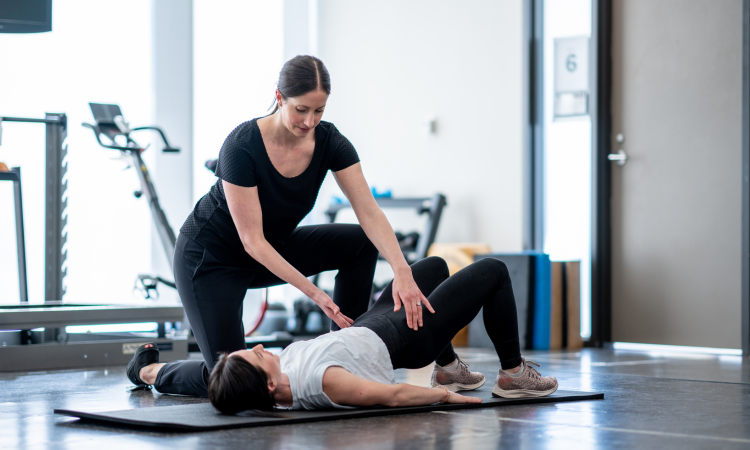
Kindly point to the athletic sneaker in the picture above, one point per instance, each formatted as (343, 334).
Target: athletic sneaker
(461, 379)
(528, 384)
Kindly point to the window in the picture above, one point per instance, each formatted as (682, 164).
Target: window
(97, 52)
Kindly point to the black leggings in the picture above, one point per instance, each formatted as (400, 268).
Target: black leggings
(456, 300)
(212, 293)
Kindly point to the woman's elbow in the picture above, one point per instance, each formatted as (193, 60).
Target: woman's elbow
(252, 247)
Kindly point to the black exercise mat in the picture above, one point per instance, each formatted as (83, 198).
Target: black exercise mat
(203, 416)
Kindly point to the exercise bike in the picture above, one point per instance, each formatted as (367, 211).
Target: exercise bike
(111, 124)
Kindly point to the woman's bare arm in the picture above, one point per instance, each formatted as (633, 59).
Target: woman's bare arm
(347, 389)
(244, 205)
(352, 182)
(378, 229)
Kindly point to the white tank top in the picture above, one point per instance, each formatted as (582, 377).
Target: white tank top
(357, 349)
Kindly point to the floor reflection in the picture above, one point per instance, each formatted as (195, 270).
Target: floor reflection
(650, 401)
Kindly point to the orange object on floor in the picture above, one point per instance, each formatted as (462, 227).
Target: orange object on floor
(458, 256)
(3, 167)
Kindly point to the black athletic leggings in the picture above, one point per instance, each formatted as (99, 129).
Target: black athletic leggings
(456, 300)
(212, 293)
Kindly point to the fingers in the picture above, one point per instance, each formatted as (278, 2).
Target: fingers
(458, 398)
(397, 301)
(409, 309)
(334, 313)
(426, 303)
(341, 322)
(412, 314)
(350, 321)
(419, 315)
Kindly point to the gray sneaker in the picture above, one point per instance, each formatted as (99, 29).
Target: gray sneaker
(530, 384)
(462, 379)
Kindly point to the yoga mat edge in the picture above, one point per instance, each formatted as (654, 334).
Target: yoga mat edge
(318, 416)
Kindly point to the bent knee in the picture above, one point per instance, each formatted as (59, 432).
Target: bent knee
(495, 265)
(436, 264)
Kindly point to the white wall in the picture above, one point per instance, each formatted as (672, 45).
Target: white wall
(394, 63)
(237, 55)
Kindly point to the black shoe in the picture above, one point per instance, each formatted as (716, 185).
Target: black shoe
(143, 357)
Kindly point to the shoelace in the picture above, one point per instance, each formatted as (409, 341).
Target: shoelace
(462, 363)
(532, 371)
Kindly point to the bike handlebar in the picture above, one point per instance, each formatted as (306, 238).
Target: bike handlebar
(168, 148)
(97, 132)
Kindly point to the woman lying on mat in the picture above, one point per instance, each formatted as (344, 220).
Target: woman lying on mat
(354, 367)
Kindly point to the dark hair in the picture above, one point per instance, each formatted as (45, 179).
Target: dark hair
(300, 75)
(235, 385)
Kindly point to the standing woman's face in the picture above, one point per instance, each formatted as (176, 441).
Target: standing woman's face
(303, 113)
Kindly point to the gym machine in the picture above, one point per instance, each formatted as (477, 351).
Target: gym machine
(414, 245)
(33, 336)
(110, 124)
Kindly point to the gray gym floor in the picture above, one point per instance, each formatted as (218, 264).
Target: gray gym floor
(651, 401)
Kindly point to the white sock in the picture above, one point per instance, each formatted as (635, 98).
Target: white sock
(452, 367)
(518, 374)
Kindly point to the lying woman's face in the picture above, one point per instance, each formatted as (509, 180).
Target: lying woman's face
(261, 359)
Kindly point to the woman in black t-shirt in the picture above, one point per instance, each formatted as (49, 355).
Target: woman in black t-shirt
(243, 235)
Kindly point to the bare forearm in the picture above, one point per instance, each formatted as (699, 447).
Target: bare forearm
(266, 255)
(410, 395)
(345, 388)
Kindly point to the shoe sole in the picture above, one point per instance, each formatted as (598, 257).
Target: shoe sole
(521, 393)
(455, 387)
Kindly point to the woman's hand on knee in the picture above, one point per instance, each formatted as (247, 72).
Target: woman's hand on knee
(406, 291)
(332, 310)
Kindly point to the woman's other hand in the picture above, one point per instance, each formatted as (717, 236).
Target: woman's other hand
(332, 310)
(406, 291)
(458, 398)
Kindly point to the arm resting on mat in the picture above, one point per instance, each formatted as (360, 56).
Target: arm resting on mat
(345, 388)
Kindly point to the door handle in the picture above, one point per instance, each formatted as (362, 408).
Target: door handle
(620, 157)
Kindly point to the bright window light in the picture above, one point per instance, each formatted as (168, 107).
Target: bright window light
(108, 230)
(567, 159)
(114, 328)
(653, 348)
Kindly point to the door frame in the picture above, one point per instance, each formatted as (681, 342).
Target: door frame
(533, 192)
(601, 227)
(746, 178)
(600, 110)
(601, 173)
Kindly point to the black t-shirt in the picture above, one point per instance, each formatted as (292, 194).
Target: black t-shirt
(284, 202)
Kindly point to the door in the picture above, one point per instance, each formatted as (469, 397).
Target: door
(676, 203)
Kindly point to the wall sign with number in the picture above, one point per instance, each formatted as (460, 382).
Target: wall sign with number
(571, 76)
